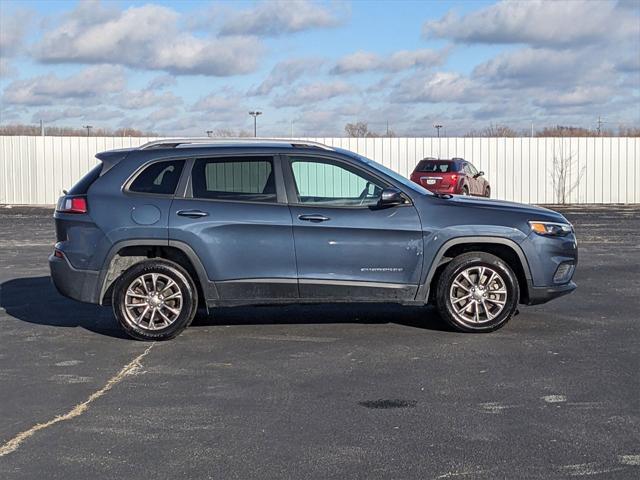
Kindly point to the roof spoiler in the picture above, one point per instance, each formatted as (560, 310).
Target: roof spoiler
(111, 158)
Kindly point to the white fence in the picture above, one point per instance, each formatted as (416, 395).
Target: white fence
(34, 170)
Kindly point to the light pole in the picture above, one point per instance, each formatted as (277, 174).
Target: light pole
(600, 122)
(255, 114)
(209, 133)
(88, 127)
(438, 127)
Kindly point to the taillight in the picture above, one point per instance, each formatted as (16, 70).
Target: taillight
(454, 178)
(72, 205)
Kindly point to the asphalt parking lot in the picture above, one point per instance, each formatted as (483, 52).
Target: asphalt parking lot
(324, 391)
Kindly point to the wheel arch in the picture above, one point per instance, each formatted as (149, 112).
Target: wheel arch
(504, 248)
(127, 253)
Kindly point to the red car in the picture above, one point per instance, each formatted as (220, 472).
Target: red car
(455, 177)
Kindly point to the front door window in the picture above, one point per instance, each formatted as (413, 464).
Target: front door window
(326, 183)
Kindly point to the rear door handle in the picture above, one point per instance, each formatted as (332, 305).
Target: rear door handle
(192, 213)
(315, 218)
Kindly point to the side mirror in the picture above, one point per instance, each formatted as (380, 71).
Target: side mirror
(480, 174)
(390, 197)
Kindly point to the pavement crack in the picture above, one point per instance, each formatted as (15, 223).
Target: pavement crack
(131, 368)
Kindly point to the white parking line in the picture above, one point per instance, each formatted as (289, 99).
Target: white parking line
(130, 368)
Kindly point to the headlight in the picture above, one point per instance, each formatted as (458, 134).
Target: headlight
(551, 229)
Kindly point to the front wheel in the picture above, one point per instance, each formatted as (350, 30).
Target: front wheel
(477, 292)
(487, 192)
(155, 300)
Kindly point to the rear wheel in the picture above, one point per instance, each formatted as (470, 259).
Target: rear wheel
(465, 190)
(155, 300)
(477, 292)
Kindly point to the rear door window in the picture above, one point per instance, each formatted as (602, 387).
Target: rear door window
(249, 179)
(160, 178)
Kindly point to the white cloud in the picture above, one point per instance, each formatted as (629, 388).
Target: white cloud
(630, 63)
(6, 69)
(160, 82)
(224, 105)
(12, 32)
(311, 93)
(51, 116)
(161, 114)
(437, 88)
(139, 99)
(535, 67)
(362, 61)
(357, 62)
(526, 63)
(44, 90)
(278, 17)
(145, 37)
(216, 102)
(576, 97)
(55, 115)
(538, 23)
(569, 57)
(285, 73)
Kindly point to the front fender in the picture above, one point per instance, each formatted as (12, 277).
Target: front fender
(438, 243)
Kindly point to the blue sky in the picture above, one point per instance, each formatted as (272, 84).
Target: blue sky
(312, 66)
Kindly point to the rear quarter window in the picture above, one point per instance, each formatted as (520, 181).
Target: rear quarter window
(160, 178)
(82, 187)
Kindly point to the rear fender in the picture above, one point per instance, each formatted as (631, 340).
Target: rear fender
(112, 267)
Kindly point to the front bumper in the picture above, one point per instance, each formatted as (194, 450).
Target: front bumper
(73, 283)
(538, 295)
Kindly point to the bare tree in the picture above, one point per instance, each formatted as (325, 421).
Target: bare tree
(357, 130)
(32, 130)
(628, 131)
(568, 131)
(229, 132)
(132, 132)
(563, 184)
(494, 131)
(361, 130)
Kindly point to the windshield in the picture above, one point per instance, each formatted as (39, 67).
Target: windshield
(390, 173)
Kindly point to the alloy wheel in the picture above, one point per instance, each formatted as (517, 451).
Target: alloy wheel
(153, 301)
(478, 295)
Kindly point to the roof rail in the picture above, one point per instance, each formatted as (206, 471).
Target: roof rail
(179, 142)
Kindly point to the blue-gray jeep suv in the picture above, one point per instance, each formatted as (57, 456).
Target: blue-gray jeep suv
(160, 230)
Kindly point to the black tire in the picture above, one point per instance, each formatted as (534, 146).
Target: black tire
(465, 191)
(184, 283)
(487, 192)
(476, 260)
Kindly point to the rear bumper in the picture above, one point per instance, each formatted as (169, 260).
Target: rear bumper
(453, 190)
(77, 284)
(538, 295)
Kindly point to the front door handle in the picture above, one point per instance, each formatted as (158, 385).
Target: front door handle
(192, 213)
(315, 218)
